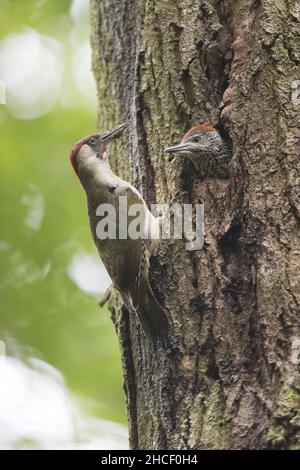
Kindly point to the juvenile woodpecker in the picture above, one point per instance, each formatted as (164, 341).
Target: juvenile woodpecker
(207, 149)
(126, 259)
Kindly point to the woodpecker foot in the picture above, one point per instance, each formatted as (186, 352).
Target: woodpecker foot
(178, 195)
(105, 298)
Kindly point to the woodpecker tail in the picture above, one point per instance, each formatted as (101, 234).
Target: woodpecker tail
(152, 316)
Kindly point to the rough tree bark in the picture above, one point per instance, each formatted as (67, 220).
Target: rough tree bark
(230, 378)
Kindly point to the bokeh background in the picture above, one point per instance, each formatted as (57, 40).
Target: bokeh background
(50, 276)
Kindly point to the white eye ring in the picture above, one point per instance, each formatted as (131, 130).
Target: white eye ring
(92, 141)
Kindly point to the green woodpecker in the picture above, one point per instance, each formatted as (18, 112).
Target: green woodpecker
(207, 149)
(126, 259)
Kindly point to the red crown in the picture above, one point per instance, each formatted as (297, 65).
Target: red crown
(73, 154)
(199, 127)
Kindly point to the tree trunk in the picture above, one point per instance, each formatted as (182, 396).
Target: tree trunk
(230, 378)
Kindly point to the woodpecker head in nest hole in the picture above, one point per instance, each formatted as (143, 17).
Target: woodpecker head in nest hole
(206, 148)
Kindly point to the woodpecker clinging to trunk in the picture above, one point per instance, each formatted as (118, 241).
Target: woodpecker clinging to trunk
(125, 259)
(207, 149)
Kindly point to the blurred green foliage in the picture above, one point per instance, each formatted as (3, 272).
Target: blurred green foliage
(40, 306)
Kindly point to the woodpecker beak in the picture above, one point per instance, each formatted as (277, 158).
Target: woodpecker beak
(181, 148)
(107, 137)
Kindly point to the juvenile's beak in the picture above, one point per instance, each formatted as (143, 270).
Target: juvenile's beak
(107, 137)
(179, 148)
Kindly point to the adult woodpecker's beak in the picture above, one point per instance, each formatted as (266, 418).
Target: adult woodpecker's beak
(181, 148)
(107, 137)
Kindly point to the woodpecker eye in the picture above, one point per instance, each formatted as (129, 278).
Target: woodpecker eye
(196, 139)
(92, 141)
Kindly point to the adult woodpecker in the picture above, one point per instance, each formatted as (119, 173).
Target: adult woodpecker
(126, 259)
(207, 149)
